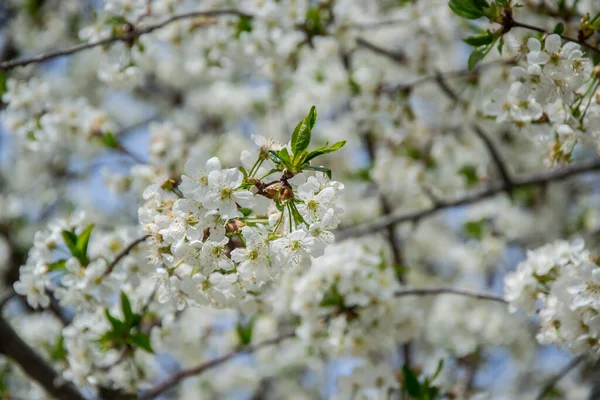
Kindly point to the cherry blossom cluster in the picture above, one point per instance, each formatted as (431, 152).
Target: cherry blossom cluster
(560, 282)
(43, 124)
(222, 234)
(557, 87)
(347, 301)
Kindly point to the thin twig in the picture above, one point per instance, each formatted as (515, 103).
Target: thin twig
(126, 37)
(391, 89)
(583, 43)
(124, 253)
(540, 178)
(397, 56)
(458, 292)
(559, 375)
(186, 373)
(483, 136)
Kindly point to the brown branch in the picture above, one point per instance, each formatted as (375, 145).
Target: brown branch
(397, 56)
(483, 136)
(391, 89)
(512, 23)
(458, 292)
(36, 367)
(547, 388)
(540, 178)
(186, 373)
(126, 37)
(124, 253)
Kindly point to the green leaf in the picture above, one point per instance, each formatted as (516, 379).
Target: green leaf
(274, 157)
(127, 312)
(245, 211)
(479, 54)
(332, 298)
(71, 241)
(320, 169)
(479, 40)
(110, 141)
(439, 368)
(244, 25)
(411, 383)
(501, 44)
(285, 155)
(559, 28)
(58, 352)
(116, 324)
(301, 135)
(57, 265)
(244, 333)
(475, 229)
(141, 340)
(3, 86)
(469, 9)
(324, 150)
(400, 270)
(470, 173)
(83, 240)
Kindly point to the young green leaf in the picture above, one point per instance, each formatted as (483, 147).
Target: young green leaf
(479, 54)
(83, 241)
(301, 136)
(244, 332)
(411, 383)
(141, 340)
(274, 157)
(110, 141)
(57, 265)
(323, 150)
(469, 9)
(71, 241)
(116, 324)
(480, 40)
(439, 368)
(559, 28)
(127, 312)
(284, 155)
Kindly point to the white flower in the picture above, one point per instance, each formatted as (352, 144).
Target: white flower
(34, 287)
(224, 194)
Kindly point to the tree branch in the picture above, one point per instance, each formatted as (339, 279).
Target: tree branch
(37, 368)
(458, 292)
(126, 37)
(494, 189)
(124, 253)
(397, 56)
(186, 373)
(391, 89)
(559, 375)
(483, 136)
(512, 23)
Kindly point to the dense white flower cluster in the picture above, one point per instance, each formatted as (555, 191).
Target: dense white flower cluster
(348, 301)
(44, 124)
(560, 281)
(224, 233)
(556, 86)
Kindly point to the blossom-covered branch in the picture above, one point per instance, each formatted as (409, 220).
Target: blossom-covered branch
(458, 292)
(494, 189)
(559, 375)
(133, 33)
(187, 373)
